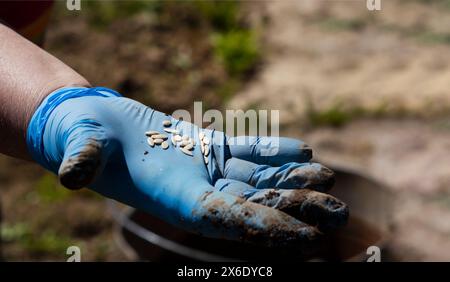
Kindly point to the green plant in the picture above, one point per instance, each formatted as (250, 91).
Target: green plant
(433, 37)
(238, 50)
(103, 13)
(13, 232)
(443, 3)
(49, 190)
(234, 44)
(339, 114)
(222, 15)
(334, 116)
(45, 242)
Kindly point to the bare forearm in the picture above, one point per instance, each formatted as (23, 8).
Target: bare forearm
(27, 75)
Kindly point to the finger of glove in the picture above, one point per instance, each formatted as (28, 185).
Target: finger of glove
(288, 176)
(314, 208)
(223, 215)
(273, 151)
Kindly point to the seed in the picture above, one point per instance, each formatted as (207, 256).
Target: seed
(187, 152)
(206, 159)
(192, 141)
(167, 123)
(202, 147)
(151, 132)
(150, 142)
(201, 135)
(189, 146)
(165, 145)
(158, 141)
(177, 138)
(184, 143)
(174, 142)
(205, 140)
(171, 130)
(160, 136)
(206, 153)
(185, 138)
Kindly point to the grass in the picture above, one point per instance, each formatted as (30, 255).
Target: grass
(442, 124)
(432, 37)
(238, 51)
(443, 3)
(13, 232)
(102, 13)
(234, 43)
(420, 34)
(334, 116)
(46, 242)
(222, 15)
(338, 114)
(441, 198)
(49, 190)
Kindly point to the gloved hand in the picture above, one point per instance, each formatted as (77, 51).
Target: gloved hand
(94, 137)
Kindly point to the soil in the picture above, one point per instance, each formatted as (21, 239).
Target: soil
(322, 55)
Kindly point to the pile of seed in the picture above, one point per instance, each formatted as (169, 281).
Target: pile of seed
(157, 138)
(185, 143)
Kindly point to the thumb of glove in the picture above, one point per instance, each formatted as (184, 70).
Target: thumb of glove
(67, 141)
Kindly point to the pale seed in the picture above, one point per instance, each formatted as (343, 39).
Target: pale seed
(185, 138)
(171, 130)
(201, 135)
(158, 141)
(150, 142)
(192, 141)
(205, 140)
(202, 147)
(164, 145)
(167, 123)
(206, 150)
(184, 143)
(206, 159)
(160, 136)
(177, 138)
(187, 152)
(151, 132)
(174, 142)
(189, 146)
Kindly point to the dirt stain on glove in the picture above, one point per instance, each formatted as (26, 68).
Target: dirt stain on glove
(258, 224)
(315, 208)
(77, 172)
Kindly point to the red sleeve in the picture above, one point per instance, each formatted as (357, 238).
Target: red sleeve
(27, 17)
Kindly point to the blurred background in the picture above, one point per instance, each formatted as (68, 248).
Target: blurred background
(368, 90)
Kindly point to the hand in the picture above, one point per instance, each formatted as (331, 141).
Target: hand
(93, 137)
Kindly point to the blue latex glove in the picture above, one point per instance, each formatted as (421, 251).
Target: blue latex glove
(94, 137)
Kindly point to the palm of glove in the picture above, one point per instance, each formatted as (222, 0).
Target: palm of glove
(236, 194)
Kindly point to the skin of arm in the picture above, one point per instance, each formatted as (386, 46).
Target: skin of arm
(27, 75)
